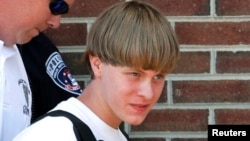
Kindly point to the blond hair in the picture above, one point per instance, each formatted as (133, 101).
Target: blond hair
(133, 34)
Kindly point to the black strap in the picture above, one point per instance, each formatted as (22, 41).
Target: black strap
(82, 131)
(124, 132)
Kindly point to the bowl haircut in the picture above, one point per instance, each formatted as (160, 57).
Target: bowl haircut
(133, 34)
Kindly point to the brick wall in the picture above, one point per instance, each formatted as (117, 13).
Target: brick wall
(210, 84)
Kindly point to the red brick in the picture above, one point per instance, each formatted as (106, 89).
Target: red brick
(174, 120)
(193, 62)
(163, 98)
(233, 62)
(213, 33)
(89, 8)
(232, 116)
(211, 91)
(68, 34)
(232, 7)
(182, 7)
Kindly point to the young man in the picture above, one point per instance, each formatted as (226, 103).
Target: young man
(130, 50)
(21, 20)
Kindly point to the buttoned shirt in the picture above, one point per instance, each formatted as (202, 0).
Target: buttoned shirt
(15, 94)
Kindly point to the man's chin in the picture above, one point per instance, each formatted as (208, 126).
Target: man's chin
(27, 39)
(136, 121)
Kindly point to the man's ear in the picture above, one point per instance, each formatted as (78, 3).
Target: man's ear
(95, 63)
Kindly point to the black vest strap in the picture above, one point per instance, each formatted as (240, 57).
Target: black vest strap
(82, 131)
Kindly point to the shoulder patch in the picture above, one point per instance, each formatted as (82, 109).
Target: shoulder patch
(60, 74)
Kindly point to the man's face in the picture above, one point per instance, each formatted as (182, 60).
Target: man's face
(130, 93)
(32, 17)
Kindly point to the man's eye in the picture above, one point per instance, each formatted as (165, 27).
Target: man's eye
(134, 74)
(158, 77)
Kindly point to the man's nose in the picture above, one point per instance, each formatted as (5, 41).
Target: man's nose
(146, 89)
